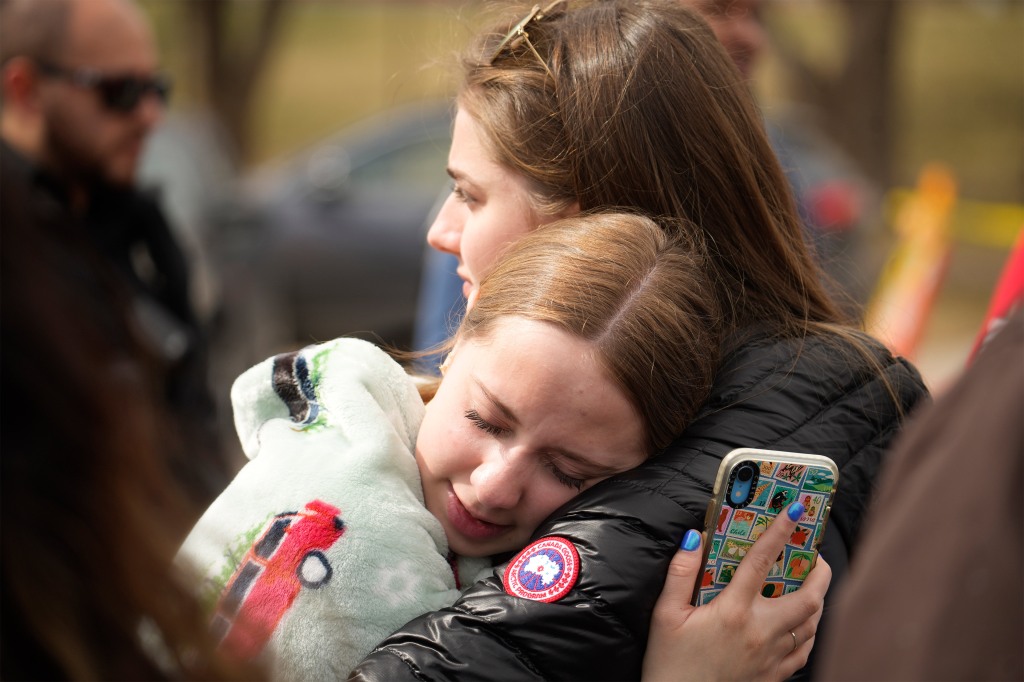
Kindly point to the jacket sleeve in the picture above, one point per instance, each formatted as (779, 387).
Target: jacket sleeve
(627, 528)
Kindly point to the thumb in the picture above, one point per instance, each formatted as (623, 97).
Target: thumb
(682, 575)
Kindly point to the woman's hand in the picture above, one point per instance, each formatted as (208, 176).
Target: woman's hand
(740, 635)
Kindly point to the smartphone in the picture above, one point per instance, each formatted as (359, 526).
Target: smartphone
(753, 487)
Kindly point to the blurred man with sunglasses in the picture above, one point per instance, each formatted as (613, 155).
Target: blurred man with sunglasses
(81, 92)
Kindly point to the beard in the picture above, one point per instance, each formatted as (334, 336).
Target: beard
(74, 157)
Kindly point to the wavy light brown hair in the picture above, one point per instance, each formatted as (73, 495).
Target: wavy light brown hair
(637, 291)
(636, 105)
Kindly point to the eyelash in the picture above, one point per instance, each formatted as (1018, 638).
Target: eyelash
(562, 477)
(460, 195)
(483, 425)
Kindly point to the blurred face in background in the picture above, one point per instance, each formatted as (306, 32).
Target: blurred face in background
(737, 25)
(84, 138)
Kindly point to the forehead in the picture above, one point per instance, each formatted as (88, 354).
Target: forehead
(471, 160)
(556, 385)
(109, 35)
(469, 153)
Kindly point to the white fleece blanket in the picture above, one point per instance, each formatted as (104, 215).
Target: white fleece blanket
(321, 546)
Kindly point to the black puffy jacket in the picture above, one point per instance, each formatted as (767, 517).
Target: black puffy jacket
(777, 394)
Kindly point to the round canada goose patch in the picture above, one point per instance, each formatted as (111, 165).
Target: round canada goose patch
(545, 571)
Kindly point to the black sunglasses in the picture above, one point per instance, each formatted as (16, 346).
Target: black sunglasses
(118, 93)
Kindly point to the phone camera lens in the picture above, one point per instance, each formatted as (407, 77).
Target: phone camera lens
(742, 484)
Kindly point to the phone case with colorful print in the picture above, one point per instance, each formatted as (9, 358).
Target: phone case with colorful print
(752, 488)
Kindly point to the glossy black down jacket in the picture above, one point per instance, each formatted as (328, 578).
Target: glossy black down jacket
(775, 394)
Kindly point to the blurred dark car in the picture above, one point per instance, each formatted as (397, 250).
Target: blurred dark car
(330, 241)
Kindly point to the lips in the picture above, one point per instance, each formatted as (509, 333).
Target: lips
(467, 284)
(467, 525)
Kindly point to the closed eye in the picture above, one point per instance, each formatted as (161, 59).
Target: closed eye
(564, 478)
(483, 424)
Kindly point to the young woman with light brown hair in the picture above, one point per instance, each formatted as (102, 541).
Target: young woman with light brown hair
(546, 391)
(633, 104)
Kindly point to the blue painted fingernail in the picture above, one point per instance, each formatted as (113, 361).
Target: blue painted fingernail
(691, 540)
(795, 511)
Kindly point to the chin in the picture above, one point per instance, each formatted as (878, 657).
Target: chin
(474, 554)
(118, 180)
(122, 171)
(484, 550)
(121, 179)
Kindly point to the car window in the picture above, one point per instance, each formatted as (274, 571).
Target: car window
(417, 166)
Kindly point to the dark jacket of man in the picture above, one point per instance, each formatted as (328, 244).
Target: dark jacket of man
(122, 243)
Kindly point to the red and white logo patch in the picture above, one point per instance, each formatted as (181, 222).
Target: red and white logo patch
(544, 571)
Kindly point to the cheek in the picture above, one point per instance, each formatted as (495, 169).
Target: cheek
(547, 497)
(480, 241)
(93, 139)
(67, 122)
(443, 447)
(428, 450)
(489, 235)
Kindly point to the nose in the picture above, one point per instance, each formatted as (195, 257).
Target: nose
(500, 480)
(445, 234)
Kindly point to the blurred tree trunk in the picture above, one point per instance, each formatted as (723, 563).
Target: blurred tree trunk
(856, 104)
(233, 55)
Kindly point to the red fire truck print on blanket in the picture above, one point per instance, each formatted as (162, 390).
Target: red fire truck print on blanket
(544, 571)
(288, 556)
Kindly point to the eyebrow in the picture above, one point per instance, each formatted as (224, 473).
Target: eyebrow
(502, 407)
(461, 176)
(456, 174)
(593, 469)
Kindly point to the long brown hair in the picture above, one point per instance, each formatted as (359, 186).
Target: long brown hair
(637, 291)
(636, 105)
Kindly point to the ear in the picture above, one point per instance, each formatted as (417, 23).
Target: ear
(446, 363)
(20, 82)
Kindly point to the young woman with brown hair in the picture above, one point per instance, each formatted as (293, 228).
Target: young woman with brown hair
(634, 104)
